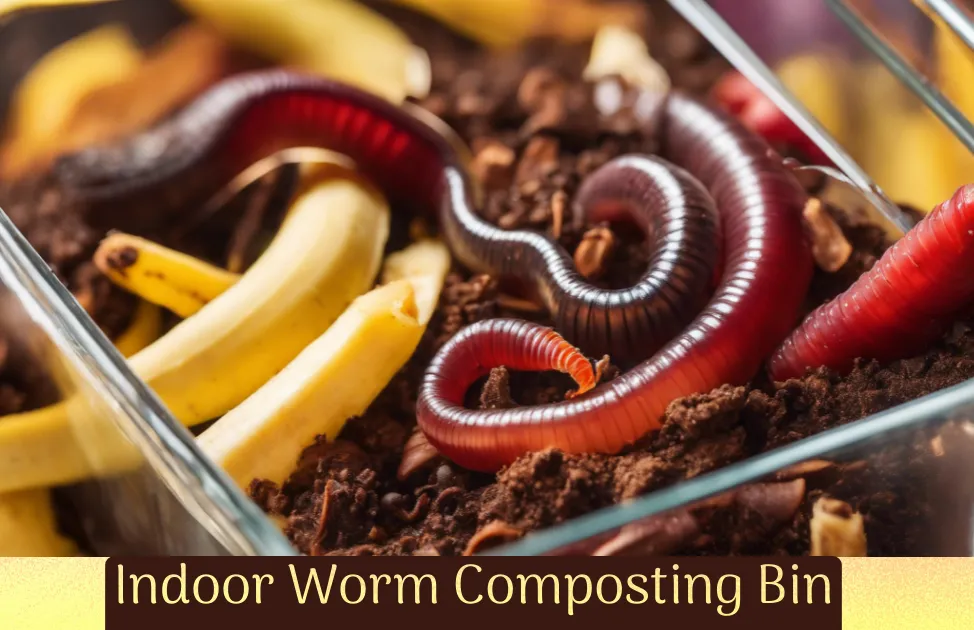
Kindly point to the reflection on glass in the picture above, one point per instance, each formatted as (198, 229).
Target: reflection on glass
(884, 126)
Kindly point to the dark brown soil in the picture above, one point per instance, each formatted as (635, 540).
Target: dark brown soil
(531, 123)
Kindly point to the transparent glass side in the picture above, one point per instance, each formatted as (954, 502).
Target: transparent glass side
(138, 483)
(146, 488)
(932, 437)
(845, 76)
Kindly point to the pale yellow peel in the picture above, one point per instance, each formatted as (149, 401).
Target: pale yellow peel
(145, 328)
(327, 252)
(504, 23)
(165, 277)
(425, 264)
(38, 448)
(836, 530)
(955, 65)
(820, 82)
(9, 6)
(335, 378)
(903, 144)
(28, 527)
(619, 51)
(340, 39)
(45, 100)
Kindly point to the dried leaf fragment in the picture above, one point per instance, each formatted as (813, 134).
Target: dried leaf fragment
(657, 536)
(490, 532)
(804, 469)
(417, 453)
(836, 529)
(492, 165)
(829, 245)
(542, 93)
(558, 203)
(592, 254)
(777, 502)
(539, 159)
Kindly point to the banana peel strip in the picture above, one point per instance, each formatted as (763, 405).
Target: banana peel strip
(335, 378)
(301, 286)
(903, 144)
(9, 6)
(620, 51)
(340, 39)
(162, 276)
(28, 527)
(326, 253)
(47, 97)
(144, 329)
(504, 23)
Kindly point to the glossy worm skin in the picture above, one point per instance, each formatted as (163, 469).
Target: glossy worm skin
(896, 309)
(766, 261)
(249, 117)
(516, 344)
(767, 269)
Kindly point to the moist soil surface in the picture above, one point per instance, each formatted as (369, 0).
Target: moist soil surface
(535, 134)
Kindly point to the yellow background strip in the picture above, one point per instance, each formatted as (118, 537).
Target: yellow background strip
(878, 593)
(52, 593)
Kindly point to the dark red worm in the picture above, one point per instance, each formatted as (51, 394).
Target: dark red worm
(735, 93)
(767, 269)
(249, 117)
(767, 262)
(896, 309)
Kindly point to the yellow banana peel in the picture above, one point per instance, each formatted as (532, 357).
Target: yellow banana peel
(160, 275)
(903, 146)
(336, 377)
(619, 51)
(9, 6)
(505, 23)
(326, 253)
(28, 527)
(340, 39)
(145, 328)
(955, 65)
(908, 160)
(819, 82)
(45, 100)
(39, 449)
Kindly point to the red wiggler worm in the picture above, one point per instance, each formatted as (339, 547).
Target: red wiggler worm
(767, 269)
(249, 117)
(905, 302)
(766, 262)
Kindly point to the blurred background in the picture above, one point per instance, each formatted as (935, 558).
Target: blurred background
(884, 126)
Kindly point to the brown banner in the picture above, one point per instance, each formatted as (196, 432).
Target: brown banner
(148, 593)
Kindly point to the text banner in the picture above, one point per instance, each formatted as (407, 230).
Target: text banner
(482, 592)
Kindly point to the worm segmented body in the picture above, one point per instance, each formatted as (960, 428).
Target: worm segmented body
(897, 308)
(767, 268)
(249, 117)
(766, 261)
